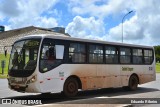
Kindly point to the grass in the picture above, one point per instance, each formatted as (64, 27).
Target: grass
(3, 76)
(157, 67)
(6, 59)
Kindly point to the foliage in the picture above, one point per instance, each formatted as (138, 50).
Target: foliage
(158, 67)
(157, 53)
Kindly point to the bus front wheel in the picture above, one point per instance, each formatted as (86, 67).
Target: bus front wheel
(133, 83)
(70, 87)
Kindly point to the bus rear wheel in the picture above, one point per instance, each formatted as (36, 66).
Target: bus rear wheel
(70, 87)
(133, 83)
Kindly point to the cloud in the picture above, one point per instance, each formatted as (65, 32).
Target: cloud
(99, 8)
(86, 27)
(10, 8)
(25, 13)
(132, 30)
(46, 22)
(143, 27)
(89, 18)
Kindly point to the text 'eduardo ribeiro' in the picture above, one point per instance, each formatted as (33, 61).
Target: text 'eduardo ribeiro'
(145, 101)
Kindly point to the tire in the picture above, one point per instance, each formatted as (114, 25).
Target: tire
(45, 94)
(126, 88)
(133, 83)
(70, 88)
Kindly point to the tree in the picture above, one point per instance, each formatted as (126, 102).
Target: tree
(157, 53)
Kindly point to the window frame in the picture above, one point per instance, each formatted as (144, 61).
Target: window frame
(85, 52)
(55, 42)
(137, 56)
(151, 61)
(103, 54)
(88, 52)
(116, 51)
(130, 56)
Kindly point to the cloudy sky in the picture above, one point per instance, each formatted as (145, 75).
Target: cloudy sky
(92, 19)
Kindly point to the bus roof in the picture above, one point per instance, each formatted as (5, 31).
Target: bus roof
(64, 37)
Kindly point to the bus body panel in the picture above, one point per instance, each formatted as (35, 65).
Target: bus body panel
(28, 87)
(51, 81)
(94, 76)
(91, 76)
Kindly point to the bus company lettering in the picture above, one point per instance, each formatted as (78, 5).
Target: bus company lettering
(127, 69)
(61, 74)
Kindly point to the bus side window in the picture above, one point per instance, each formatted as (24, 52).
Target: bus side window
(148, 56)
(125, 55)
(77, 53)
(111, 54)
(51, 53)
(95, 54)
(137, 56)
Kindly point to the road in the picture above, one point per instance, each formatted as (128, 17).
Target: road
(102, 96)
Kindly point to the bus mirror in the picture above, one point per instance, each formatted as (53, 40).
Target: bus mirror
(59, 51)
(5, 53)
(15, 59)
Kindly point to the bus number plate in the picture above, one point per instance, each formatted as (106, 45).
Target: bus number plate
(16, 86)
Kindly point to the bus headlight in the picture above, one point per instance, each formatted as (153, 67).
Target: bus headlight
(33, 79)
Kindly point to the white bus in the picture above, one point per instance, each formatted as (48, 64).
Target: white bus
(55, 63)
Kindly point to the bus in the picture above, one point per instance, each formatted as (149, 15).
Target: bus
(56, 63)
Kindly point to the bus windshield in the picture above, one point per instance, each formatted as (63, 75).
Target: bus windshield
(23, 57)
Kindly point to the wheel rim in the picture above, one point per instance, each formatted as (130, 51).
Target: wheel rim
(71, 87)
